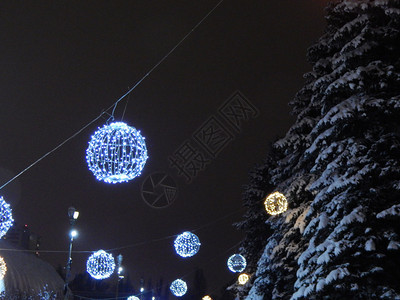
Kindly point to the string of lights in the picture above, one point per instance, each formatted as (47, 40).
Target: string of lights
(209, 261)
(104, 111)
(138, 243)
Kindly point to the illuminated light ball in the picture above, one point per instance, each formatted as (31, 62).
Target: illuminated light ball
(236, 263)
(276, 203)
(116, 153)
(6, 219)
(187, 244)
(178, 288)
(132, 298)
(206, 298)
(3, 268)
(100, 265)
(243, 278)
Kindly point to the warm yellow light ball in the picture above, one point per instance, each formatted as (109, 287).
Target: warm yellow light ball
(206, 298)
(243, 278)
(3, 268)
(276, 203)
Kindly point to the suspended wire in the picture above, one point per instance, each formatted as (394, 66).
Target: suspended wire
(51, 151)
(219, 219)
(126, 104)
(114, 105)
(142, 242)
(127, 246)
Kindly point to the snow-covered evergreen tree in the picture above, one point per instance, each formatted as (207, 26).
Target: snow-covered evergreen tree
(340, 167)
(253, 224)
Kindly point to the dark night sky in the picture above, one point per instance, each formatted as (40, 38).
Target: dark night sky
(63, 62)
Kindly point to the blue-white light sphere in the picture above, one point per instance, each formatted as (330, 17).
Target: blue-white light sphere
(132, 298)
(6, 219)
(236, 263)
(187, 244)
(100, 265)
(178, 287)
(116, 153)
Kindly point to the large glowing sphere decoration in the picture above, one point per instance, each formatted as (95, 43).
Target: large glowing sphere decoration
(276, 203)
(236, 263)
(187, 244)
(132, 298)
(6, 219)
(243, 278)
(100, 265)
(116, 153)
(178, 288)
(3, 268)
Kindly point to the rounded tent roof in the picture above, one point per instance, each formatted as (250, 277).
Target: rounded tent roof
(27, 274)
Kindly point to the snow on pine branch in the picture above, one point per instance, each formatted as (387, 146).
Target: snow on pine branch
(390, 212)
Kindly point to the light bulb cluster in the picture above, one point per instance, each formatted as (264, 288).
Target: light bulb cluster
(236, 263)
(3, 268)
(6, 219)
(187, 244)
(100, 265)
(178, 287)
(276, 203)
(206, 298)
(116, 153)
(132, 298)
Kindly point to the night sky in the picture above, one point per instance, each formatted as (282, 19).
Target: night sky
(63, 62)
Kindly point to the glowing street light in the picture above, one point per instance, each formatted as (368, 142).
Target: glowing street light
(73, 215)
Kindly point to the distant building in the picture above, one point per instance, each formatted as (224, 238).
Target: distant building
(26, 276)
(22, 237)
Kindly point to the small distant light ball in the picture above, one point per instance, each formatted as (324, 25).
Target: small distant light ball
(6, 219)
(178, 288)
(243, 278)
(187, 244)
(206, 298)
(276, 203)
(236, 263)
(116, 153)
(133, 298)
(100, 265)
(3, 268)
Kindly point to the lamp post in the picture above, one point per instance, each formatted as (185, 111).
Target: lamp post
(73, 215)
(120, 275)
(141, 288)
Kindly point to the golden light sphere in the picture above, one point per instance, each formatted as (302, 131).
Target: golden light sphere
(276, 203)
(206, 298)
(243, 278)
(3, 268)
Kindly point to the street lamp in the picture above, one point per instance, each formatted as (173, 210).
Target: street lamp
(119, 272)
(73, 215)
(141, 288)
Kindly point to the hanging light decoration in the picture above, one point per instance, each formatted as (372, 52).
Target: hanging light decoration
(187, 244)
(116, 153)
(100, 265)
(236, 263)
(178, 287)
(3, 268)
(6, 219)
(243, 278)
(276, 203)
(133, 298)
(206, 298)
